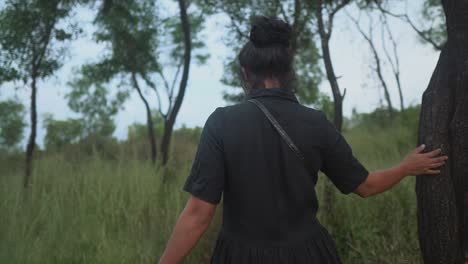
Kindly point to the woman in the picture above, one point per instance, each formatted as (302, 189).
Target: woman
(270, 206)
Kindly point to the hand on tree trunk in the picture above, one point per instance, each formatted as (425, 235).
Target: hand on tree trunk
(417, 162)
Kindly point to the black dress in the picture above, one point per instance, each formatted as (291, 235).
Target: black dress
(269, 200)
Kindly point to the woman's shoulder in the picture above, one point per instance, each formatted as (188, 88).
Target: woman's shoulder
(241, 109)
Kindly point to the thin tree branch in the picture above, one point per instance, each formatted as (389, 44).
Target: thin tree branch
(152, 85)
(378, 65)
(405, 18)
(335, 10)
(174, 81)
(395, 61)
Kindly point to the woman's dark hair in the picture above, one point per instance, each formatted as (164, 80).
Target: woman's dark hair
(267, 54)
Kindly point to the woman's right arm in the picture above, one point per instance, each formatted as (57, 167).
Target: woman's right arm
(415, 163)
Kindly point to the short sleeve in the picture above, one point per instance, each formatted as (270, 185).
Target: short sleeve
(338, 161)
(207, 176)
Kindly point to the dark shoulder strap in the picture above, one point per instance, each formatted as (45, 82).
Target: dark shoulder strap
(278, 128)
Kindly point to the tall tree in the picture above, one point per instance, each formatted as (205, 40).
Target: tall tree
(325, 12)
(368, 36)
(30, 39)
(442, 199)
(129, 28)
(175, 104)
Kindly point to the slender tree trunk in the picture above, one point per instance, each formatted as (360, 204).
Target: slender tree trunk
(171, 118)
(325, 32)
(378, 70)
(443, 199)
(32, 136)
(394, 63)
(378, 65)
(149, 120)
(165, 141)
(337, 96)
(385, 88)
(36, 64)
(400, 92)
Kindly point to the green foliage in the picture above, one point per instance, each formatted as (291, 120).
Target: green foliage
(307, 55)
(31, 38)
(325, 104)
(95, 104)
(436, 31)
(188, 134)
(11, 123)
(130, 29)
(380, 118)
(171, 28)
(140, 131)
(60, 133)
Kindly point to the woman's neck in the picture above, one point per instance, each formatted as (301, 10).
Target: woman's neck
(271, 83)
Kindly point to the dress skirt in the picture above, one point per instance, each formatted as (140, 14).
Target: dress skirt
(319, 249)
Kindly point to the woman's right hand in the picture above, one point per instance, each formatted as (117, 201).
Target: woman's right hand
(417, 163)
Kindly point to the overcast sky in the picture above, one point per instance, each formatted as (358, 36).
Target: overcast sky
(350, 55)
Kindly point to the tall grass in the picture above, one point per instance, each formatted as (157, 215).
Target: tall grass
(93, 211)
(122, 210)
(379, 229)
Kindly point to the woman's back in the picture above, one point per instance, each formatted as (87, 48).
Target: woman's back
(270, 203)
(269, 198)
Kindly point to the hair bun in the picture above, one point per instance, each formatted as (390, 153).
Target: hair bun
(268, 31)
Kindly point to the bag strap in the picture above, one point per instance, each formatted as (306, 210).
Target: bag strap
(278, 128)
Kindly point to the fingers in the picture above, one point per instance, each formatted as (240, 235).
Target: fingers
(432, 172)
(436, 165)
(439, 159)
(434, 153)
(420, 148)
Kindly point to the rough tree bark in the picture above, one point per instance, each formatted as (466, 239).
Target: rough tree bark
(171, 118)
(443, 199)
(149, 120)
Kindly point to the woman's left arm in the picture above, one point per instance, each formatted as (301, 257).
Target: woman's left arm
(192, 223)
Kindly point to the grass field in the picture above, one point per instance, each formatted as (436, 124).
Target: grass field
(122, 210)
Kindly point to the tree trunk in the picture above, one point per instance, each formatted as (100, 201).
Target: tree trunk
(165, 141)
(400, 92)
(442, 199)
(149, 120)
(171, 118)
(325, 39)
(337, 96)
(32, 136)
(378, 65)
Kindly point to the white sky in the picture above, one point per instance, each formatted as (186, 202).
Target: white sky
(350, 55)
